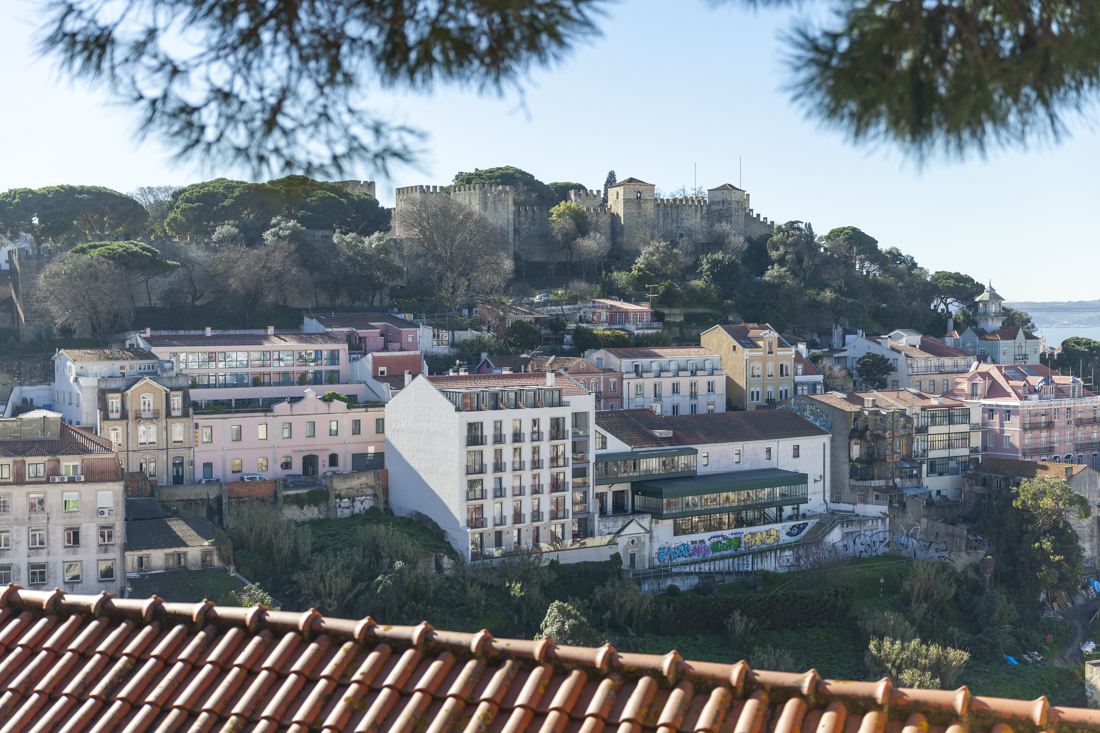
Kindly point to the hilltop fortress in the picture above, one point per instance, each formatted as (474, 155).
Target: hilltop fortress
(632, 212)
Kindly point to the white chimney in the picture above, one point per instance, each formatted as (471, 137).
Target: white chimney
(408, 377)
(148, 331)
(270, 330)
(549, 379)
(207, 330)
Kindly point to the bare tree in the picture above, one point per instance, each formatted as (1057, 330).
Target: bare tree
(155, 200)
(82, 292)
(256, 277)
(564, 232)
(458, 249)
(726, 239)
(590, 250)
(836, 379)
(195, 272)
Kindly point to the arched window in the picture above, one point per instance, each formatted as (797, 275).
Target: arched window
(236, 466)
(116, 438)
(333, 460)
(261, 464)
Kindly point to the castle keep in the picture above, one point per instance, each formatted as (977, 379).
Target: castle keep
(631, 214)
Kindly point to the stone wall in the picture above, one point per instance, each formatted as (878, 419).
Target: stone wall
(26, 373)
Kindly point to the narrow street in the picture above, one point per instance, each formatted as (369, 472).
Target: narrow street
(1078, 616)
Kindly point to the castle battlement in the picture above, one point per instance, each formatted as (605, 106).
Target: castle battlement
(410, 190)
(481, 187)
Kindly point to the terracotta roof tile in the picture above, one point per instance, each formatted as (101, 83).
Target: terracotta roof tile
(1028, 469)
(97, 663)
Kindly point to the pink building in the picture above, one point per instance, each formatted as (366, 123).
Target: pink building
(365, 333)
(1032, 412)
(308, 436)
(252, 367)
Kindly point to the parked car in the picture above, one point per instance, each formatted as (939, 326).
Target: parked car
(252, 477)
(209, 481)
(542, 297)
(326, 474)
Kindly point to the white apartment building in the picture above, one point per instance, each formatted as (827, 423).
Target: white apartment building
(675, 380)
(701, 486)
(61, 506)
(502, 462)
(77, 375)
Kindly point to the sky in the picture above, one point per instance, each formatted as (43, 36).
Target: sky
(668, 89)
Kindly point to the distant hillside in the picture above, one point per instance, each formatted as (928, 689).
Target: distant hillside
(1061, 314)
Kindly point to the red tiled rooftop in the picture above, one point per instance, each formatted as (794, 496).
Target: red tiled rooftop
(97, 663)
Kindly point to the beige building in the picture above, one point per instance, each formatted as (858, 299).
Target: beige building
(669, 380)
(758, 362)
(149, 426)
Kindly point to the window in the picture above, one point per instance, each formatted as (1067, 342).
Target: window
(675, 388)
(794, 451)
(5, 539)
(754, 370)
(5, 574)
(946, 387)
(356, 427)
(333, 460)
(287, 430)
(207, 434)
(36, 470)
(37, 574)
(613, 385)
(333, 427)
(107, 534)
(754, 394)
(177, 432)
(693, 408)
(148, 466)
(992, 440)
(177, 404)
(710, 407)
(311, 429)
(37, 538)
(379, 425)
(72, 537)
(261, 431)
(710, 386)
(1008, 415)
(146, 403)
(639, 389)
(36, 503)
(737, 456)
(1008, 441)
(706, 458)
(105, 500)
(286, 463)
(767, 454)
(114, 405)
(601, 441)
(236, 466)
(261, 464)
(106, 569)
(784, 369)
(235, 433)
(72, 572)
(992, 415)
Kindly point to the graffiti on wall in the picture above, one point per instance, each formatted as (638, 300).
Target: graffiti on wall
(726, 543)
(909, 544)
(865, 544)
(810, 411)
(358, 505)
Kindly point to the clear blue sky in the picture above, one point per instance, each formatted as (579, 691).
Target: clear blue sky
(668, 85)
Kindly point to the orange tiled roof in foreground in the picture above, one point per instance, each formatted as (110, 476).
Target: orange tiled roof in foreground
(96, 663)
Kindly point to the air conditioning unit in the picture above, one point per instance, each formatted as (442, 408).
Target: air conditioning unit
(104, 511)
(79, 478)
(57, 479)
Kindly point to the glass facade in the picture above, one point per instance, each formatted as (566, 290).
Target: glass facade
(767, 496)
(613, 468)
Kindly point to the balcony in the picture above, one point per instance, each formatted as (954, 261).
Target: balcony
(1095, 419)
(558, 514)
(478, 495)
(500, 521)
(536, 489)
(537, 517)
(475, 470)
(1038, 450)
(518, 490)
(580, 458)
(517, 437)
(1039, 424)
(519, 466)
(559, 462)
(580, 509)
(536, 465)
(519, 519)
(536, 436)
(975, 426)
(499, 492)
(1087, 445)
(975, 450)
(149, 414)
(557, 487)
(559, 435)
(118, 415)
(500, 466)
(579, 432)
(581, 483)
(475, 522)
(475, 440)
(498, 439)
(871, 483)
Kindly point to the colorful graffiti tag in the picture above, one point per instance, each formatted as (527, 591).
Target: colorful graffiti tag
(810, 411)
(730, 542)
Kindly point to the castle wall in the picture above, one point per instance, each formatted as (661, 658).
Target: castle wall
(676, 217)
(495, 202)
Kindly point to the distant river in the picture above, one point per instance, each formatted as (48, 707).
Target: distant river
(1056, 336)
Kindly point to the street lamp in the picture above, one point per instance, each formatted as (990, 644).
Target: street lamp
(881, 581)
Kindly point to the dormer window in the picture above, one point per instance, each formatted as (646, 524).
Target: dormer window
(771, 346)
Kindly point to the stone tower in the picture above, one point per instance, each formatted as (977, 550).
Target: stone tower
(727, 204)
(632, 207)
(990, 312)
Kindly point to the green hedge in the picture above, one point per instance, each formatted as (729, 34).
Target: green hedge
(790, 610)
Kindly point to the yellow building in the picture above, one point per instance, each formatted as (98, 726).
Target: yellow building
(758, 362)
(149, 426)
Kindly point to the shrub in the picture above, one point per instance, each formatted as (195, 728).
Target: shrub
(565, 626)
(772, 659)
(915, 664)
(303, 378)
(623, 604)
(275, 541)
(928, 587)
(740, 627)
(251, 595)
(706, 588)
(789, 610)
(672, 589)
(879, 624)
